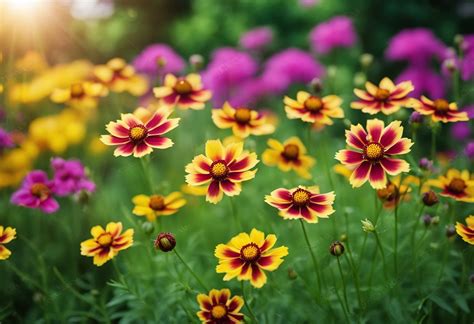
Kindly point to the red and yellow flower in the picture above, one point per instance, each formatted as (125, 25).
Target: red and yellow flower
(370, 153)
(289, 155)
(455, 184)
(314, 109)
(157, 205)
(466, 232)
(107, 243)
(218, 307)
(132, 136)
(222, 169)
(6, 236)
(242, 120)
(248, 256)
(386, 98)
(80, 95)
(183, 92)
(439, 110)
(396, 190)
(302, 203)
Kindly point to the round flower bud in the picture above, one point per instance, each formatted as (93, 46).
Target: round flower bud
(459, 40)
(435, 220)
(165, 242)
(425, 164)
(366, 60)
(148, 227)
(450, 231)
(292, 274)
(416, 118)
(336, 249)
(343, 237)
(427, 219)
(316, 85)
(430, 198)
(197, 61)
(359, 79)
(450, 65)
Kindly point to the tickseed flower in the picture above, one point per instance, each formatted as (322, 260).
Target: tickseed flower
(455, 184)
(289, 155)
(132, 136)
(222, 169)
(242, 120)
(370, 153)
(247, 256)
(218, 307)
(165, 242)
(157, 205)
(439, 110)
(466, 232)
(314, 109)
(6, 236)
(107, 243)
(183, 92)
(302, 202)
(386, 98)
(394, 191)
(80, 95)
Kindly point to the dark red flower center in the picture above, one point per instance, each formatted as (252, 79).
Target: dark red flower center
(250, 252)
(242, 115)
(441, 105)
(219, 170)
(301, 197)
(382, 94)
(183, 87)
(105, 239)
(373, 151)
(313, 104)
(138, 133)
(77, 90)
(218, 311)
(457, 185)
(40, 190)
(291, 152)
(157, 202)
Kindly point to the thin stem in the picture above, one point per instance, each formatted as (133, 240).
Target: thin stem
(145, 162)
(191, 270)
(395, 243)
(433, 144)
(379, 244)
(344, 291)
(415, 227)
(356, 277)
(252, 315)
(315, 261)
(339, 299)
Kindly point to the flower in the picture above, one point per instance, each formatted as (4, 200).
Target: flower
(157, 205)
(107, 243)
(222, 169)
(242, 120)
(36, 192)
(424, 80)
(70, 177)
(370, 153)
(430, 198)
(289, 155)
(83, 95)
(183, 92)
(165, 242)
(395, 191)
(248, 256)
(461, 131)
(218, 307)
(314, 109)
(439, 110)
(455, 184)
(257, 38)
(466, 232)
(158, 60)
(132, 136)
(6, 236)
(387, 97)
(6, 139)
(469, 150)
(302, 202)
(336, 32)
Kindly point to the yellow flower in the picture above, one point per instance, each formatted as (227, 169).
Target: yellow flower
(6, 236)
(314, 109)
(219, 307)
(157, 205)
(83, 95)
(455, 184)
(394, 191)
(466, 232)
(16, 163)
(32, 62)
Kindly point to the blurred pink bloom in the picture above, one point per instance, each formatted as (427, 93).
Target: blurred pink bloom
(469, 150)
(147, 62)
(308, 3)
(336, 32)
(256, 39)
(425, 80)
(70, 177)
(6, 140)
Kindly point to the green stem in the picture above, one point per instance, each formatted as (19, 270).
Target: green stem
(379, 244)
(433, 144)
(315, 261)
(145, 162)
(339, 299)
(356, 277)
(191, 271)
(395, 242)
(415, 227)
(249, 309)
(344, 291)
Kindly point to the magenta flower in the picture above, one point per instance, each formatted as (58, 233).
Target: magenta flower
(158, 60)
(333, 33)
(257, 38)
(70, 177)
(6, 140)
(469, 150)
(308, 3)
(36, 191)
(425, 80)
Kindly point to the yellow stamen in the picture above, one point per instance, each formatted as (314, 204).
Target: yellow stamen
(183, 87)
(313, 103)
(77, 90)
(219, 311)
(374, 151)
(157, 202)
(291, 151)
(250, 252)
(457, 185)
(441, 105)
(242, 115)
(105, 239)
(301, 197)
(382, 94)
(137, 133)
(219, 169)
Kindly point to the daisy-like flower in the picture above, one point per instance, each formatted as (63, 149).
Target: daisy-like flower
(132, 136)
(302, 202)
(289, 155)
(222, 169)
(466, 232)
(371, 153)
(183, 92)
(81, 95)
(6, 236)
(157, 205)
(218, 307)
(248, 256)
(314, 109)
(386, 98)
(455, 184)
(242, 120)
(107, 243)
(439, 110)
(396, 190)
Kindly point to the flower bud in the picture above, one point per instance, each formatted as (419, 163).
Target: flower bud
(435, 220)
(450, 65)
(459, 40)
(336, 249)
(450, 231)
(427, 219)
(366, 60)
(316, 85)
(430, 198)
(343, 237)
(425, 164)
(292, 274)
(165, 242)
(367, 226)
(359, 79)
(416, 118)
(148, 227)
(197, 61)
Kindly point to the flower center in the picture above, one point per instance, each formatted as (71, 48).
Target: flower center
(457, 185)
(105, 239)
(250, 252)
(301, 197)
(242, 115)
(374, 151)
(183, 87)
(40, 190)
(441, 105)
(219, 170)
(157, 202)
(77, 90)
(138, 133)
(219, 311)
(382, 94)
(291, 151)
(313, 104)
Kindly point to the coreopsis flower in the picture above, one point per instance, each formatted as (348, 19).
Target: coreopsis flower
(107, 243)
(70, 177)
(36, 192)
(183, 92)
(6, 236)
(386, 97)
(396, 190)
(371, 152)
(455, 184)
(242, 120)
(157, 205)
(118, 76)
(248, 256)
(439, 110)
(222, 169)
(302, 202)
(466, 231)
(314, 109)
(80, 95)
(132, 136)
(218, 307)
(289, 155)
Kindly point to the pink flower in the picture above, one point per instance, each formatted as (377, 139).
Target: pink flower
(158, 59)
(36, 191)
(70, 177)
(425, 80)
(336, 32)
(256, 39)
